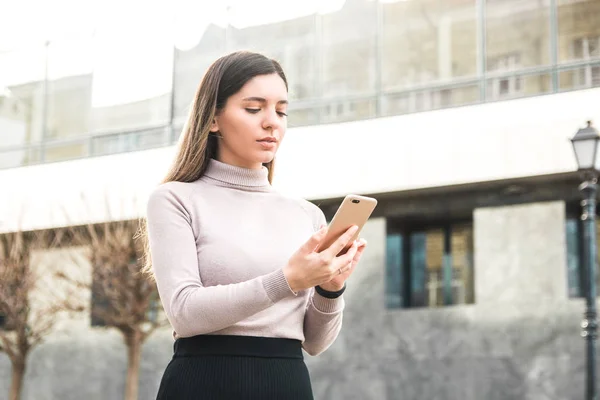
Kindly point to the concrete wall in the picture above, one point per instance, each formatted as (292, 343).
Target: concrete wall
(520, 253)
(525, 345)
(521, 340)
(88, 364)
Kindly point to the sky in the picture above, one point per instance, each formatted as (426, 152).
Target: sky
(30, 22)
(98, 36)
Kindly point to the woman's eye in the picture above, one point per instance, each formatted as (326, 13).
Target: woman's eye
(253, 110)
(281, 114)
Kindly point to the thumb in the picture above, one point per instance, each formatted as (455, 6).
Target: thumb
(314, 240)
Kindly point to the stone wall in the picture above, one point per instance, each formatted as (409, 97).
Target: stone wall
(521, 340)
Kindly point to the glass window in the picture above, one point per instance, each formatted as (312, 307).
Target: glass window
(70, 66)
(578, 30)
(579, 40)
(63, 151)
(20, 157)
(580, 78)
(395, 271)
(417, 269)
(292, 43)
(508, 87)
(429, 99)
(348, 41)
(22, 74)
(129, 141)
(347, 110)
(427, 41)
(517, 37)
(517, 34)
(460, 260)
(300, 116)
(434, 268)
(190, 66)
(132, 79)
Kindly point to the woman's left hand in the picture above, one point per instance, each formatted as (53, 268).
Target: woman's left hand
(337, 283)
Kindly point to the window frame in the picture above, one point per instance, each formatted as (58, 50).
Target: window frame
(407, 292)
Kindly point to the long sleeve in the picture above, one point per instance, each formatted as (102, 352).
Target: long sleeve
(322, 322)
(323, 317)
(192, 308)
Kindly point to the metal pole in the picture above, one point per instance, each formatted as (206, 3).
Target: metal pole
(171, 129)
(554, 45)
(481, 48)
(589, 325)
(378, 58)
(45, 103)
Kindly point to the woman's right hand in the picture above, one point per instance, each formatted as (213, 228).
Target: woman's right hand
(308, 268)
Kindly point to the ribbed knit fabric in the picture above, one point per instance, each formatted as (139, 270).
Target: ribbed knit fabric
(219, 246)
(236, 368)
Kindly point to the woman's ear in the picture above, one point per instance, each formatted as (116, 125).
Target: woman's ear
(214, 126)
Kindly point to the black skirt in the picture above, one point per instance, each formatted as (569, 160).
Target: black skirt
(216, 367)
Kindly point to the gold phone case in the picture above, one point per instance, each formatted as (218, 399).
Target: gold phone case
(354, 210)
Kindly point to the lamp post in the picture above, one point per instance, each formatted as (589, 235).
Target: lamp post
(586, 147)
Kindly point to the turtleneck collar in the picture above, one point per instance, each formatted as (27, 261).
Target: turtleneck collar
(256, 180)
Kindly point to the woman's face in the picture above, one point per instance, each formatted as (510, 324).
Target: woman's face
(253, 122)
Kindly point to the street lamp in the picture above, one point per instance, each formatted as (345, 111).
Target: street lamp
(587, 152)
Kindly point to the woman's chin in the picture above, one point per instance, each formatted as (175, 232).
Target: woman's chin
(267, 157)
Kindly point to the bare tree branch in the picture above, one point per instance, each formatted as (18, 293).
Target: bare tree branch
(26, 323)
(126, 299)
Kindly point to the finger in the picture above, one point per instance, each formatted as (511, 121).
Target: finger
(358, 255)
(345, 268)
(352, 251)
(355, 260)
(341, 242)
(362, 244)
(345, 261)
(312, 243)
(348, 269)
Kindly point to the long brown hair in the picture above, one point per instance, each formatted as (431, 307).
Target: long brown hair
(225, 77)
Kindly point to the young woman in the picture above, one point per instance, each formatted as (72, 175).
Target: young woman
(238, 266)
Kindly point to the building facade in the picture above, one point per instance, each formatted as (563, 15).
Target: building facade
(455, 115)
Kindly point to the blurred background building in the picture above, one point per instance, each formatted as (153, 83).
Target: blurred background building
(454, 114)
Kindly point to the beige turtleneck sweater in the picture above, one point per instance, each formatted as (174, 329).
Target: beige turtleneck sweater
(218, 248)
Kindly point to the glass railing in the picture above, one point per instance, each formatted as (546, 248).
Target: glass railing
(367, 59)
(491, 87)
(86, 146)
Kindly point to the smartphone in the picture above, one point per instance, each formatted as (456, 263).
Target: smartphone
(354, 210)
